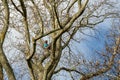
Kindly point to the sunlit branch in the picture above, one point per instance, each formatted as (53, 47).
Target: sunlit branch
(23, 8)
(93, 10)
(106, 16)
(25, 21)
(33, 50)
(2, 20)
(4, 61)
(65, 8)
(66, 46)
(1, 72)
(30, 52)
(57, 16)
(46, 4)
(75, 16)
(45, 34)
(71, 5)
(52, 68)
(6, 21)
(79, 3)
(68, 25)
(69, 70)
(41, 21)
(44, 57)
(16, 7)
(109, 65)
(71, 36)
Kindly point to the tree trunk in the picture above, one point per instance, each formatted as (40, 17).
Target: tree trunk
(40, 76)
(1, 72)
(3, 60)
(31, 70)
(5, 64)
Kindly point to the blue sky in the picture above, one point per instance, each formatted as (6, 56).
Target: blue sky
(95, 41)
(88, 44)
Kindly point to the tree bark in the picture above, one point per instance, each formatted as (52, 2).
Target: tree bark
(3, 59)
(31, 70)
(4, 62)
(1, 72)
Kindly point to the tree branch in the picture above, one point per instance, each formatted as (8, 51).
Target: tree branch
(16, 7)
(71, 6)
(1, 72)
(41, 21)
(68, 70)
(68, 25)
(109, 65)
(45, 34)
(71, 36)
(56, 15)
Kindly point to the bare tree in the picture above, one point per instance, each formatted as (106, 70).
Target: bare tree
(60, 20)
(3, 60)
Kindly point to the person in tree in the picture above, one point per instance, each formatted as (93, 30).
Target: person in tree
(47, 49)
(46, 45)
